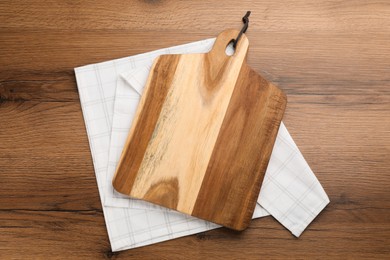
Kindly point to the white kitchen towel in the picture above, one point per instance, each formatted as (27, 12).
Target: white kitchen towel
(131, 227)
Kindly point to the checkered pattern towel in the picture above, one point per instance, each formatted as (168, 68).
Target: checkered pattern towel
(109, 95)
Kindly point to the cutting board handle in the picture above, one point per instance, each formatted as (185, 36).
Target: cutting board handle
(218, 55)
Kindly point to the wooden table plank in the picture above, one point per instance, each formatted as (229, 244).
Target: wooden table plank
(297, 16)
(81, 235)
(332, 58)
(324, 63)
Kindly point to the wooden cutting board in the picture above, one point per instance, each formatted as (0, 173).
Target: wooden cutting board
(203, 134)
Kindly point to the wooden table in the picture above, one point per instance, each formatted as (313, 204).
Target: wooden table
(332, 58)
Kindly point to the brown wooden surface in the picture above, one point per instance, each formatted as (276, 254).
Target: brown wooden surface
(332, 59)
(202, 116)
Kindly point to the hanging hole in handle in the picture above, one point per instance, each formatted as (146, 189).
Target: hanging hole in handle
(229, 51)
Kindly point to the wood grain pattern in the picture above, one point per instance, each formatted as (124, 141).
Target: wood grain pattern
(191, 158)
(151, 103)
(332, 58)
